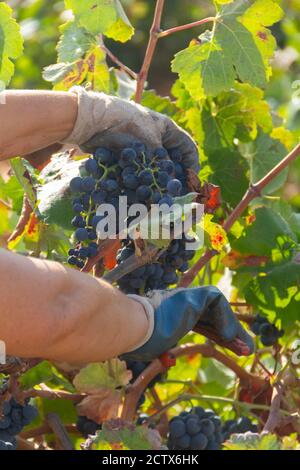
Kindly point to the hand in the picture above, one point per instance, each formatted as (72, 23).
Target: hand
(109, 121)
(180, 311)
(41, 158)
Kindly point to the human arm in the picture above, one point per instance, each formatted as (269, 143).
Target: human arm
(32, 120)
(56, 313)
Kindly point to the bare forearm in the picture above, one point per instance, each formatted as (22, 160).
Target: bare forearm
(56, 313)
(31, 120)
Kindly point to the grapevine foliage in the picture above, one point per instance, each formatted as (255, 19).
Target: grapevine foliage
(225, 96)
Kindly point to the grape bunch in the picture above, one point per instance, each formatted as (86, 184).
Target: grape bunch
(137, 368)
(14, 417)
(239, 426)
(143, 177)
(87, 427)
(197, 429)
(268, 332)
(159, 275)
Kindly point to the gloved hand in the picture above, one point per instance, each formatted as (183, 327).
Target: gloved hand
(109, 121)
(172, 314)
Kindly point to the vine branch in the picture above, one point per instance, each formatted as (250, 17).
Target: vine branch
(184, 27)
(154, 34)
(253, 192)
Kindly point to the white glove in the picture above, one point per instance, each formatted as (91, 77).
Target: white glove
(108, 121)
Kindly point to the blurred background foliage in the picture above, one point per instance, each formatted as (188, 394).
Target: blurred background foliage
(40, 21)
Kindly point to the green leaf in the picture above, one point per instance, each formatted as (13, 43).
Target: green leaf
(102, 16)
(277, 291)
(229, 172)
(264, 234)
(234, 48)
(11, 43)
(54, 196)
(133, 438)
(109, 374)
(161, 104)
(251, 441)
(95, 15)
(240, 112)
(41, 373)
(263, 155)
(20, 170)
(74, 42)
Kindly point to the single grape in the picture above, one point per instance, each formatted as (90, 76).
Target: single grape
(76, 184)
(81, 234)
(91, 166)
(143, 193)
(88, 184)
(174, 187)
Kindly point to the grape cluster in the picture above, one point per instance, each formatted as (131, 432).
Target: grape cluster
(143, 177)
(239, 426)
(137, 368)
(197, 429)
(14, 417)
(159, 275)
(87, 427)
(268, 332)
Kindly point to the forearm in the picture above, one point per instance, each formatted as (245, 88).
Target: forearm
(53, 312)
(31, 120)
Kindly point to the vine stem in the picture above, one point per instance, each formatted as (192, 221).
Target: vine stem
(253, 192)
(156, 367)
(117, 61)
(154, 34)
(184, 27)
(55, 424)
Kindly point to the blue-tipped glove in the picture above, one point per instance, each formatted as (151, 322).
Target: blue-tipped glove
(175, 313)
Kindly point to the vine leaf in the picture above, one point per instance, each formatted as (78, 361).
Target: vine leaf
(74, 42)
(128, 435)
(102, 406)
(263, 235)
(239, 46)
(102, 16)
(100, 381)
(11, 43)
(109, 374)
(251, 441)
(122, 29)
(262, 155)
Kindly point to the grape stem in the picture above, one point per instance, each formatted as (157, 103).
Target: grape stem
(154, 35)
(253, 192)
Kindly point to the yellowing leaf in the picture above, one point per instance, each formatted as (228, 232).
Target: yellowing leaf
(11, 42)
(261, 14)
(98, 74)
(216, 233)
(285, 136)
(94, 377)
(102, 406)
(122, 29)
